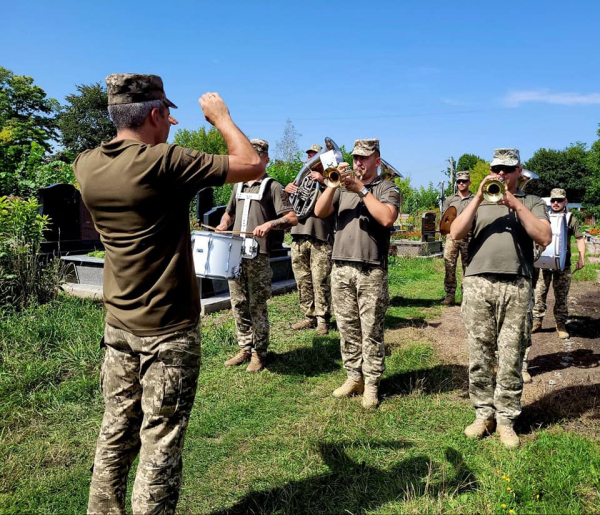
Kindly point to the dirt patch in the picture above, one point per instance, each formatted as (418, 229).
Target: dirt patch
(565, 373)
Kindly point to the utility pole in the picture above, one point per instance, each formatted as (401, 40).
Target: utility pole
(452, 182)
(442, 196)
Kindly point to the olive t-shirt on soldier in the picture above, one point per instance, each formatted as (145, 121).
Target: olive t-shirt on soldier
(149, 280)
(508, 248)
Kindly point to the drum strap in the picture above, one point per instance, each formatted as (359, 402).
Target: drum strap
(250, 248)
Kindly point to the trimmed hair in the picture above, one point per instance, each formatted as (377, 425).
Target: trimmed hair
(132, 116)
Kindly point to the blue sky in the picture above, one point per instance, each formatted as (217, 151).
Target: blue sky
(430, 79)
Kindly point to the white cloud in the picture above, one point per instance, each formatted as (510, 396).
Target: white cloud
(516, 98)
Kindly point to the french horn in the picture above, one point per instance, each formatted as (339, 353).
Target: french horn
(387, 171)
(305, 198)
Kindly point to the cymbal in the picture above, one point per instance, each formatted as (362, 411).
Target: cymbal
(447, 218)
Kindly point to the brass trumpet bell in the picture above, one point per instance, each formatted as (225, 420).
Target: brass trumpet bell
(332, 178)
(494, 189)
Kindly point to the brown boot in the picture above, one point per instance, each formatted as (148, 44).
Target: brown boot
(508, 436)
(480, 428)
(322, 327)
(448, 301)
(238, 359)
(370, 398)
(307, 323)
(257, 363)
(562, 331)
(537, 325)
(526, 376)
(349, 388)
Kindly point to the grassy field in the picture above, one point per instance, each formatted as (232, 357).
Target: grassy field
(277, 442)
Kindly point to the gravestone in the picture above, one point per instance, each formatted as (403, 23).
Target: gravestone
(204, 203)
(428, 227)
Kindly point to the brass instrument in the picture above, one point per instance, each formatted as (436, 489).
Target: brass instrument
(304, 200)
(333, 176)
(388, 172)
(526, 176)
(493, 190)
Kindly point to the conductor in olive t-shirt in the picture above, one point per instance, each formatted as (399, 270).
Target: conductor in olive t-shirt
(138, 189)
(366, 207)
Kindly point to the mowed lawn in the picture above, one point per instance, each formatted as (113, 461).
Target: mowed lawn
(278, 442)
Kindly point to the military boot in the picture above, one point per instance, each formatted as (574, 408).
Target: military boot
(307, 323)
(257, 363)
(448, 301)
(525, 373)
(370, 398)
(508, 436)
(349, 388)
(537, 325)
(238, 359)
(562, 330)
(480, 428)
(322, 327)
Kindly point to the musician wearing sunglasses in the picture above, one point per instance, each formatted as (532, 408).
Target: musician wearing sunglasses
(560, 279)
(498, 293)
(366, 207)
(312, 241)
(453, 248)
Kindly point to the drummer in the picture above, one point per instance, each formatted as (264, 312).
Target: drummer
(561, 279)
(258, 207)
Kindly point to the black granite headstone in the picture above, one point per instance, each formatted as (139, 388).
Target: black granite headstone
(428, 226)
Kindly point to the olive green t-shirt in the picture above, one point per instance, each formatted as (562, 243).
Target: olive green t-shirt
(273, 204)
(500, 244)
(359, 237)
(318, 228)
(458, 202)
(139, 198)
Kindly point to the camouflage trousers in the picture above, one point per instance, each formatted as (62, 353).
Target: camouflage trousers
(249, 294)
(149, 385)
(452, 249)
(495, 312)
(311, 263)
(360, 300)
(561, 282)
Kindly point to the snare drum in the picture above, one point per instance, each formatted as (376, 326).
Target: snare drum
(217, 256)
(554, 256)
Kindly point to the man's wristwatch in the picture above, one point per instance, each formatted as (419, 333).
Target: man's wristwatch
(363, 193)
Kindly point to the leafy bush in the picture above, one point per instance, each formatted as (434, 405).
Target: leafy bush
(24, 278)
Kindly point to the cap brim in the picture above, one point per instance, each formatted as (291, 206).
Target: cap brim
(505, 162)
(363, 153)
(170, 104)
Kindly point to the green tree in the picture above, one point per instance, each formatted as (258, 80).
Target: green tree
(27, 116)
(479, 171)
(568, 169)
(84, 122)
(467, 162)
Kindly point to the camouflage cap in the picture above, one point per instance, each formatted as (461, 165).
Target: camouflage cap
(465, 174)
(506, 157)
(365, 147)
(314, 148)
(558, 193)
(261, 146)
(132, 88)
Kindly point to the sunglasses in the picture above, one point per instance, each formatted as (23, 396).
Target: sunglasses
(505, 169)
(461, 181)
(556, 200)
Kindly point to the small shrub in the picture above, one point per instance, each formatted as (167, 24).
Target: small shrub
(25, 278)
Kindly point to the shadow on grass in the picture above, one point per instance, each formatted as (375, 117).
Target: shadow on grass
(401, 302)
(395, 322)
(580, 358)
(312, 361)
(559, 406)
(355, 487)
(438, 379)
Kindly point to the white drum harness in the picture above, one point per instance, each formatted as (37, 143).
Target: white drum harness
(250, 248)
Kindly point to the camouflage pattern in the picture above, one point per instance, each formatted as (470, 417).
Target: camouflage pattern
(558, 193)
(249, 294)
(149, 385)
(261, 146)
(495, 313)
(534, 279)
(465, 174)
(132, 88)
(311, 263)
(365, 147)
(506, 157)
(314, 148)
(452, 249)
(561, 282)
(360, 300)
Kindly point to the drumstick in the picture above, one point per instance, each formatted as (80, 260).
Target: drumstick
(226, 232)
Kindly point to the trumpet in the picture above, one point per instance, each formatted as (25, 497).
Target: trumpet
(333, 176)
(494, 189)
